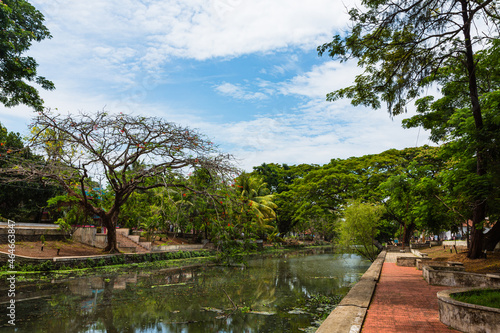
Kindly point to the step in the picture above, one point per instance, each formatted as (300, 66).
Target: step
(134, 238)
(123, 231)
(127, 249)
(146, 245)
(124, 241)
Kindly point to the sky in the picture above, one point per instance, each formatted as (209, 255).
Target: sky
(245, 73)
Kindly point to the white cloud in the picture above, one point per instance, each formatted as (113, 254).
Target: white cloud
(112, 40)
(321, 79)
(297, 138)
(238, 92)
(228, 28)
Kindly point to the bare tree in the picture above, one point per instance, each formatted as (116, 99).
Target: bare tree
(132, 152)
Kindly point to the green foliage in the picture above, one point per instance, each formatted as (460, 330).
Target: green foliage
(404, 47)
(65, 226)
(280, 179)
(449, 120)
(20, 199)
(256, 198)
(359, 227)
(71, 210)
(20, 25)
(414, 193)
(46, 266)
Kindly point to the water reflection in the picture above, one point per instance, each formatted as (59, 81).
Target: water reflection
(198, 299)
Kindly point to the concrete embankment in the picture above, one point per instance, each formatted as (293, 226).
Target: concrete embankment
(348, 316)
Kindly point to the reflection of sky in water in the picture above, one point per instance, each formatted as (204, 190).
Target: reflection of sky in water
(189, 300)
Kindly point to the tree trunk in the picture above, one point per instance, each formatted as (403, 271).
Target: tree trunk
(408, 232)
(492, 237)
(479, 210)
(109, 222)
(378, 245)
(476, 248)
(477, 239)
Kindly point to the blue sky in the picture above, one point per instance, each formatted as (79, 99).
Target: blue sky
(245, 73)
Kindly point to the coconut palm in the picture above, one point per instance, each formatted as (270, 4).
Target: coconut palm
(254, 192)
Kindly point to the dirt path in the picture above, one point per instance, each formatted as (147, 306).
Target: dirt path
(66, 248)
(50, 248)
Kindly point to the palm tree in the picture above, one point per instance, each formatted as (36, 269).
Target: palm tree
(254, 192)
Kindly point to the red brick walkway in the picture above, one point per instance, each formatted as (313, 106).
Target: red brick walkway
(403, 302)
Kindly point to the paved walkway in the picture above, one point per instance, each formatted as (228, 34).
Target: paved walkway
(403, 302)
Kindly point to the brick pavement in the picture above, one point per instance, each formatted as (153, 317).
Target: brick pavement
(403, 302)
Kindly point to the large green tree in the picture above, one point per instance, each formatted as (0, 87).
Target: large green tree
(415, 195)
(21, 24)
(449, 120)
(280, 179)
(358, 228)
(20, 199)
(401, 45)
(254, 193)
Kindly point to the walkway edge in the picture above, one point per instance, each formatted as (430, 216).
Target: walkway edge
(349, 315)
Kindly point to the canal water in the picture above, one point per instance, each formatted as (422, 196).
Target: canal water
(286, 294)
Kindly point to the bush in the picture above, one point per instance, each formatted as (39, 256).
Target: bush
(47, 266)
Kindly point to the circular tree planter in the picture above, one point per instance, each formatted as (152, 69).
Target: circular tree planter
(467, 317)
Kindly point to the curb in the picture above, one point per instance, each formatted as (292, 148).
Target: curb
(349, 315)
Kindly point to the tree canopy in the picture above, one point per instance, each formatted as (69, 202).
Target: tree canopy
(20, 199)
(21, 24)
(402, 46)
(359, 228)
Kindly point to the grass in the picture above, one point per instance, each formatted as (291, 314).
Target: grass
(484, 297)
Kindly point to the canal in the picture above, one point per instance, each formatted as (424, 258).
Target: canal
(290, 293)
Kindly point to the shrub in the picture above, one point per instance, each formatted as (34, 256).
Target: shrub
(46, 266)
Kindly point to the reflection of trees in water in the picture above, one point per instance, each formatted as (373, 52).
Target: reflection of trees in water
(173, 299)
(104, 310)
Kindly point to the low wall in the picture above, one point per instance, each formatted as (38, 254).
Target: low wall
(456, 277)
(423, 261)
(170, 248)
(349, 315)
(420, 246)
(466, 317)
(458, 243)
(406, 261)
(27, 234)
(90, 237)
